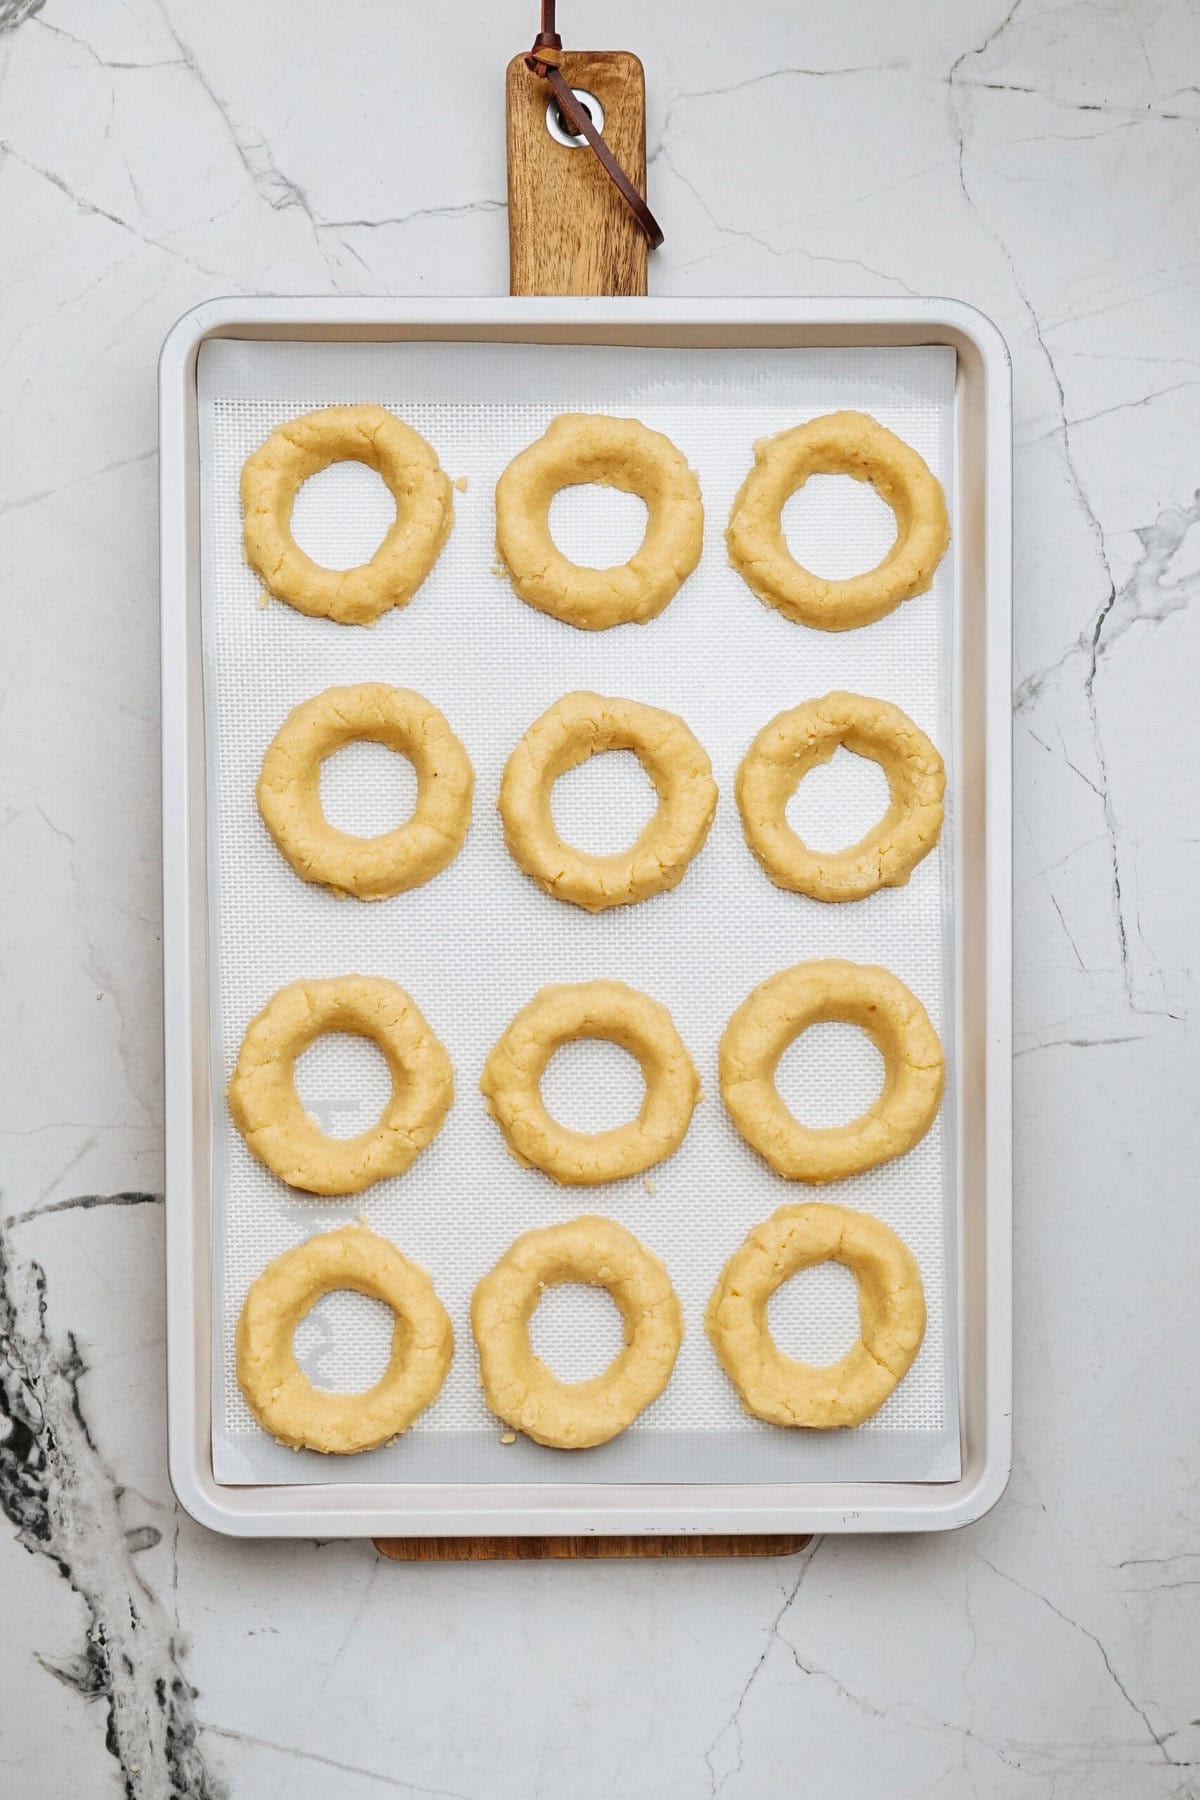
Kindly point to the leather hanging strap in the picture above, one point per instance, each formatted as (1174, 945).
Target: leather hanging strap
(579, 121)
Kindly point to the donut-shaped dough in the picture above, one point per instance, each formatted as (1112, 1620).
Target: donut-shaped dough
(289, 790)
(591, 1009)
(841, 443)
(891, 1309)
(277, 1391)
(269, 1113)
(518, 1386)
(303, 447)
(776, 1013)
(795, 742)
(573, 729)
(579, 448)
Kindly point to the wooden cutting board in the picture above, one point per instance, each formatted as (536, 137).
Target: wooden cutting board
(570, 232)
(583, 1549)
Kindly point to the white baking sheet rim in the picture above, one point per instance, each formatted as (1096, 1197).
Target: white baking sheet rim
(476, 943)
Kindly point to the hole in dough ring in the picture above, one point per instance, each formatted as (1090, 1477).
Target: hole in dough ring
(891, 1309)
(518, 1386)
(795, 742)
(619, 1015)
(775, 1014)
(289, 790)
(270, 1115)
(841, 443)
(303, 447)
(575, 728)
(580, 448)
(278, 1392)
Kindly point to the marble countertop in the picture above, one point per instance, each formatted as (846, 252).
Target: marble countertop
(1038, 159)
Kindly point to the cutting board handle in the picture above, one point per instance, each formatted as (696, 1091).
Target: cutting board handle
(571, 230)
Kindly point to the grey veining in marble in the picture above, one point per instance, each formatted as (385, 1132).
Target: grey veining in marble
(67, 1504)
(1039, 159)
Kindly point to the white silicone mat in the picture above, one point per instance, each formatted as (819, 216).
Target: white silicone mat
(476, 943)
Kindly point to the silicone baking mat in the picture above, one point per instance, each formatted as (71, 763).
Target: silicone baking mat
(477, 942)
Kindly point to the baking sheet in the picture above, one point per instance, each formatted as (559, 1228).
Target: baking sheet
(476, 943)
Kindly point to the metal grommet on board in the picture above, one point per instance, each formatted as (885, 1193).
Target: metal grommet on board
(557, 126)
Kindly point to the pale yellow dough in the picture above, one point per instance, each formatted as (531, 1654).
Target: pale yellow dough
(841, 443)
(277, 1391)
(591, 1009)
(303, 447)
(580, 448)
(289, 790)
(776, 1013)
(891, 1308)
(795, 742)
(575, 728)
(268, 1111)
(518, 1386)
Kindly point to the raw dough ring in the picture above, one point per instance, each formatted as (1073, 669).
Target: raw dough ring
(268, 1111)
(795, 742)
(567, 734)
(289, 790)
(591, 1009)
(841, 443)
(303, 447)
(277, 1391)
(776, 1013)
(891, 1309)
(579, 448)
(518, 1386)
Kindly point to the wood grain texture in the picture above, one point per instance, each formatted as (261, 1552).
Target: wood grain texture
(569, 231)
(585, 1549)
